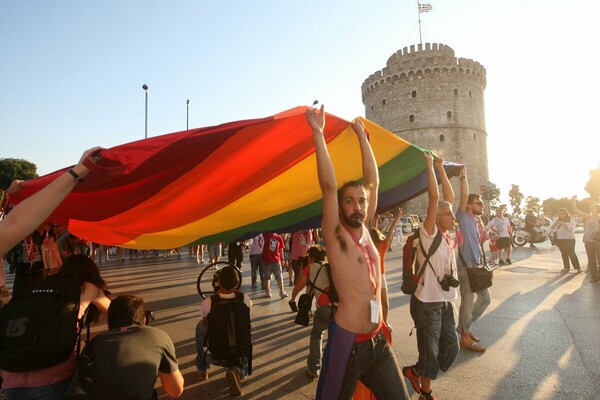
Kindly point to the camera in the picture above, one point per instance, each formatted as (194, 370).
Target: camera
(149, 317)
(447, 281)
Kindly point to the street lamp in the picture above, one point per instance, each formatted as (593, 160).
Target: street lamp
(145, 87)
(187, 115)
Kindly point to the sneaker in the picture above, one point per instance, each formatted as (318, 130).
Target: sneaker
(268, 293)
(501, 262)
(473, 346)
(508, 261)
(283, 295)
(413, 377)
(253, 284)
(426, 396)
(311, 374)
(532, 245)
(202, 375)
(564, 270)
(234, 380)
(577, 270)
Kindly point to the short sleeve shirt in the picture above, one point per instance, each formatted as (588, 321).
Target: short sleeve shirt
(470, 232)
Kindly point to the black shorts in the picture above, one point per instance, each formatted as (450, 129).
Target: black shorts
(503, 243)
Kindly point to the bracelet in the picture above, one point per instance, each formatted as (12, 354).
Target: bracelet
(74, 175)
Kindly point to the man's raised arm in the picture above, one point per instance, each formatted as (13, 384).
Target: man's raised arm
(370, 171)
(325, 172)
(464, 188)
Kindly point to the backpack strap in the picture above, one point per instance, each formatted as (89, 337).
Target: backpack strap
(437, 240)
(312, 284)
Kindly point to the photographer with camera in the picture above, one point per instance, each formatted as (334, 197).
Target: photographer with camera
(437, 340)
(125, 361)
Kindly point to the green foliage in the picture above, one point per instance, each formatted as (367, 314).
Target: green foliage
(14, 168)
(552, 205)
(533, 203)
(516, 198)
(593, 185)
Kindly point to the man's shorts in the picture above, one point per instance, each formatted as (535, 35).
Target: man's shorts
(214, 250)
(503, 243)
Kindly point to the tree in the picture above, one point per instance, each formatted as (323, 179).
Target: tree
(516, 198)
(15, 168)
(593, 185)
(533, 203)
(552, 205)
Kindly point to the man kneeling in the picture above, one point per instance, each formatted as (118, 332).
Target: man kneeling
(125, 361)
(223, 333)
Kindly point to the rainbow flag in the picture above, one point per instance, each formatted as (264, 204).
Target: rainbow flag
(226, 182)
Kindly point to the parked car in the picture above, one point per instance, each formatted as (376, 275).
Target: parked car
(407, 226)
(415, 221)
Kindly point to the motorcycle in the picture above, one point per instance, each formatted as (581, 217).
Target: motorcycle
(521, 236)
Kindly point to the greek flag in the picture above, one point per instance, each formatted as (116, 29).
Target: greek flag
(423, 8)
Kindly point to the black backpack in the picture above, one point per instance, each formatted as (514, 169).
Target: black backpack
(40, 328)
(228, 336)
(411, 270)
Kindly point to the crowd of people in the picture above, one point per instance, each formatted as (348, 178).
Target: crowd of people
(341, 265)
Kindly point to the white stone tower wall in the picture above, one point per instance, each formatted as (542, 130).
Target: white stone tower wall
(433, 99)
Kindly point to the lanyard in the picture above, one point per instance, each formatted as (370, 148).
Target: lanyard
(368, 255)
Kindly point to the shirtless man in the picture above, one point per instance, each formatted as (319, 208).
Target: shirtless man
(358, 327)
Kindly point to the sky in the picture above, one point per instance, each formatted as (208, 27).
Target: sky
(71, 72)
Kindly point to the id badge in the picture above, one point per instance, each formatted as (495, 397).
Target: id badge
(374, 311)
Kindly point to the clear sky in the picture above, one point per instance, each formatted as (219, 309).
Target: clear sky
(71, 72)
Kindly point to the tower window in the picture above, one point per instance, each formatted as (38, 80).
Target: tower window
(470, 95)
(414, 94)
(442, 138)
(411, 118)
(456, 92)
(449, 114)
(371, 107)
(383, 102)
(474, 136)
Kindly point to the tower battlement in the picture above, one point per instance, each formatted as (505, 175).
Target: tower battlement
(430, 59)
(430, 97)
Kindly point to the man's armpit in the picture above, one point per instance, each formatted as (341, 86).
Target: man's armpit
(340, 239)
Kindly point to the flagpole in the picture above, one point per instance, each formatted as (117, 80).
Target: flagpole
(419, 12)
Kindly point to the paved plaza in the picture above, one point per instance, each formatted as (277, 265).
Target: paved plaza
(542, 331)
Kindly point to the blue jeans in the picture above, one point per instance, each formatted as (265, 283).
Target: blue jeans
(55, 391)
(254, 263)
(204, 359)
(321, 320)
(470, 309)
(436, 336)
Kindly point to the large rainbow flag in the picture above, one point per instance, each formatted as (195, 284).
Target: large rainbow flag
(226, 182)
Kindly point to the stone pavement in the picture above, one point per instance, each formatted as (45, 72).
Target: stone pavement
(542, 331)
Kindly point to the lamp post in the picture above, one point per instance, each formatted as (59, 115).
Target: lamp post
(187, 115)
(145, 87)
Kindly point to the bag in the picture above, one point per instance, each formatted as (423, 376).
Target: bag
(40, 328)
(552, 238)
(411, 270)
(304, 306)
(228, 336)
(479, 278)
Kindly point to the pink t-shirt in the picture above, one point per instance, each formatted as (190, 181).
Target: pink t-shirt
(301, 241)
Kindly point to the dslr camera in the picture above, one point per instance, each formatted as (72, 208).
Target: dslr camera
(447, 281)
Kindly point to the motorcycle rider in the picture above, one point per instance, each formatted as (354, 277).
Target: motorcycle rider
(530, 221)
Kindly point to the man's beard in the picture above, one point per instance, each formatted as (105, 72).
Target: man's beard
(355, 220)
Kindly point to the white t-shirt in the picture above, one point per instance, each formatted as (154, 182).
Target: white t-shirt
(443, 262)
(500, 226)
(207, 303)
